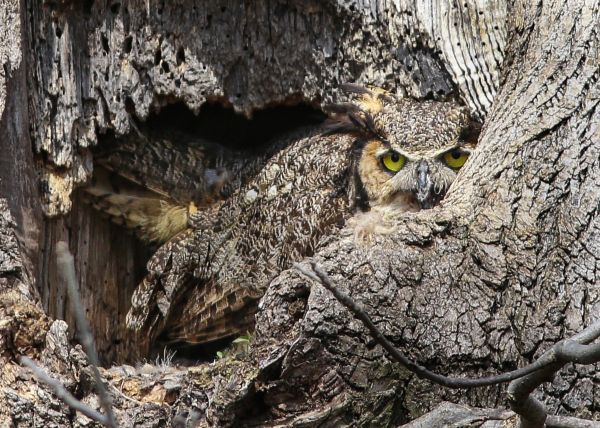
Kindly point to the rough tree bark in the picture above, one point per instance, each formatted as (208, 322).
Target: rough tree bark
(504, 268)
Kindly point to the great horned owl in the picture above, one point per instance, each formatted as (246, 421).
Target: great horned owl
(378, 153)
(411, 151)
(152, 185)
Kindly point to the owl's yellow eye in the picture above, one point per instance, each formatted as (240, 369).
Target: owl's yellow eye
(455, 158)
(393, 161)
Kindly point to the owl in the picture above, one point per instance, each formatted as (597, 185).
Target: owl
(151, 184)
(249, 216)
(410, 152)
(407, 155)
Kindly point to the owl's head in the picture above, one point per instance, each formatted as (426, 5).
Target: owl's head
(409, 152)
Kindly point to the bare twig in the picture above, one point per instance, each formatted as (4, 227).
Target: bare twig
(545, 360)
(61, 392)
(125, 396)
(578, 351)
(66, 266)
(569, 422)
(320, 276)
(524, 380)
(532, 412)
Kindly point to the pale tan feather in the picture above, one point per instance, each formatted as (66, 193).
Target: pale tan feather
(150, 216)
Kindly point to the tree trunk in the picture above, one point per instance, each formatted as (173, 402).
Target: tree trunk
(504, 268)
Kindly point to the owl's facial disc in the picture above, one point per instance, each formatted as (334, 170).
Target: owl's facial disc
(425, 175)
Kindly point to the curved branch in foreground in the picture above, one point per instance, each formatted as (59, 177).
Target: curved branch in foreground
(563, 351)
(61, 392)
(524, 380)
(533, 413)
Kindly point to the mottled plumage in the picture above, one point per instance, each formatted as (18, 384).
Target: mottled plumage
(152, 185)
(205, 284)
(410, 152)
(272, 208)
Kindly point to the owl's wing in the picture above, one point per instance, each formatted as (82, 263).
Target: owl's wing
(213, 280)
(152, 216)
(176, 166)
(152, 184)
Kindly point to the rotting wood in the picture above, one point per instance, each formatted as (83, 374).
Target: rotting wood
(506, 267)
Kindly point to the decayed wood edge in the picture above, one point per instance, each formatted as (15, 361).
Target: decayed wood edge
(26, 333)
(16, 285)
(23, 324)
(97, 67)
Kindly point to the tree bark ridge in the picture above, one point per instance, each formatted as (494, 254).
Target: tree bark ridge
(504, 268)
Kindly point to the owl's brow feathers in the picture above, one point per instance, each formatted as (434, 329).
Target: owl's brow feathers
(368, 114)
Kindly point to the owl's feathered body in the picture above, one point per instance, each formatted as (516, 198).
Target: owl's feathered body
(206, 283)
(270, 209)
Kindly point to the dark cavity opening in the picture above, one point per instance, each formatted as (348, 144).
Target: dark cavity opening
(105, 44)
(180, 57)
(115, 7)
(87, 6)
(127, 44)
(223, 125)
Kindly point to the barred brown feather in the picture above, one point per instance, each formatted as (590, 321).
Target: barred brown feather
(207, 285)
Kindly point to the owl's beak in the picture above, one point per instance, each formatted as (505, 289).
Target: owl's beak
(423, 186)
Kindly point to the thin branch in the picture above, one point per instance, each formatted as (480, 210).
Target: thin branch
(532, 412)
(577, 352)
(61, 392)
(548, 358)
(66, 267)
(569, 422)
(125, 396)
(320, 276)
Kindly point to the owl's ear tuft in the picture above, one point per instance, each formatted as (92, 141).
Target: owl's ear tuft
(348, 117)
(371, 98)
(361, 120)
(357, 116)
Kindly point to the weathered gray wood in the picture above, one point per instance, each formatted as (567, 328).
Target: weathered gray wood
(96, 66)
(507, 266)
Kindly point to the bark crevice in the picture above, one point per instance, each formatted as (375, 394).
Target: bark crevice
(503, 269)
